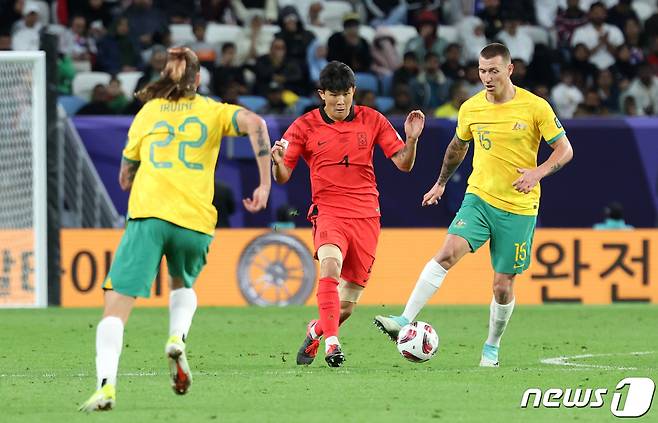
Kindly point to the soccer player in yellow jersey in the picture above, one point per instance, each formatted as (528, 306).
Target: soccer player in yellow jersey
(506, 124)
(169, 165)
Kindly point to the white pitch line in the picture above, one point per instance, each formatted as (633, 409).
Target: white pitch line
(565, 360)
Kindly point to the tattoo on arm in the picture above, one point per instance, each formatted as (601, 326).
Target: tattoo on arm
(131, 170)
(554, 168)
(262, 147)
(454, 156)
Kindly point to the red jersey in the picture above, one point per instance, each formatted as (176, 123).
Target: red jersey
(339, 156)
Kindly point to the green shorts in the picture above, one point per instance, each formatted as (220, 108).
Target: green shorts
(510, 234)
(140, 251)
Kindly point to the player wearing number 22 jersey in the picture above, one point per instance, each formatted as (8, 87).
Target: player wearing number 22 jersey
(169, 166)
(337, 142)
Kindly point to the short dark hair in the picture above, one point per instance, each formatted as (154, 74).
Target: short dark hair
(336, 77)
(496, 49)
(227, 46)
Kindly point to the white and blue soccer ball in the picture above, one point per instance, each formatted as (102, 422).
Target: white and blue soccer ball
(418, 342)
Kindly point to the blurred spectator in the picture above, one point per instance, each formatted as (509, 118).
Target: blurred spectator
(652, 53)
(116, 99)
(584, 70)
(207, 53)
(428, 39)
(402, 101)
(450, 109)
(155, 66)
(419, 10)
(386, 12)
(384, 53)
(231, 94)
(275, 67)
(224, 203)
(430, 88)
(524, 9)
(619, 13)
(634, 40)
(472, 82)
(519, 43)
(568, 20)
(471, 37)
(275, 104)
(160, 39)
(98, 104)
(608, 90)
(220, 11)
(591, 106)
(98, 11)
(366, 98)
(349, 47)
(25, 32)
(5, 41)
(244, 9)
(145, 21)
(651, 25)
(452, 67)
(179, 11)
(227, 74)
(293, 33)
(625, 67)
(541, 90)
(253, 41)
(491, 17)
(75, 43)
(65, 75)
(644, 89)
(629, 107)
(12, 12)
(601, 39)
(565, 96)
(118, 51)
(316, 58)
(314, 14)
(408, 71)
(614, 218)
(520, 75)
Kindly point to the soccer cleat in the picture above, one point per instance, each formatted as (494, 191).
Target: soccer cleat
(391, 325)
(102, 400)
(489, 356)
(309, 348)
(334, 357)
(179, 370)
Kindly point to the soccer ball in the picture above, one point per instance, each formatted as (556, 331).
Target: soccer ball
(418, 342)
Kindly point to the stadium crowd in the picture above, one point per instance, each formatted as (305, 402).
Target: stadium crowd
(586, 58)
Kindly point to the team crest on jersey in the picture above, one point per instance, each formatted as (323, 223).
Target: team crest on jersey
(460, 223)
(362, 140)
(520, 126)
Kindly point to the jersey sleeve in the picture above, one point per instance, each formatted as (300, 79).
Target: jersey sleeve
(549, 125)
(463, 131)
(295, 137)
(387, 137)
(227, 119)
(136, 133)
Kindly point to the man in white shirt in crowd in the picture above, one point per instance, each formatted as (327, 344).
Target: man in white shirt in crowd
(601, 38)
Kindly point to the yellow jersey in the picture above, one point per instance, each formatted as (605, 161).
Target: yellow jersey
(177, 144)
(507, 138)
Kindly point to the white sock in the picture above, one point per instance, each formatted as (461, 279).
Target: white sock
(332, 340)
(109, 341)
(499, 315)
(312, 332)
(182, 305)
(429, 281)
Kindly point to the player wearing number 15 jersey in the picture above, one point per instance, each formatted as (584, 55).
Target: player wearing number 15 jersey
(506, 124)
(169, 166)
(337, 142)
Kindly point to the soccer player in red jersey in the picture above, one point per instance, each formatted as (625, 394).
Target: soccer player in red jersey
(337, 142)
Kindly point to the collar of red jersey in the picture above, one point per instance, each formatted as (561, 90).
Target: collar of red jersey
(327, 119)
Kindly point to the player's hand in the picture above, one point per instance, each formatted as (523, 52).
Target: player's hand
(433, 196)
(278, 150)
(259, 200)
(527, 181)
(414, 124)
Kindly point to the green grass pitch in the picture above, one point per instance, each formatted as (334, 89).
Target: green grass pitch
(243, 361)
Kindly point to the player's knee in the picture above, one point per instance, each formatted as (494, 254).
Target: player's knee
(330, 268)
(447, 258)
(346, 310)
(503, 289)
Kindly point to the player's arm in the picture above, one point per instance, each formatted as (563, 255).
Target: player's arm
(561, 155)
(280, 171)
(256, 129)
(413, 126)
(454, 156)
(127, 173)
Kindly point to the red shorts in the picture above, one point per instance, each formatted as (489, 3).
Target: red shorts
(357, 240)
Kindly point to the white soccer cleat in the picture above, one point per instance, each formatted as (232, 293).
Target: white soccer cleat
(179, 370)
(489, 356)
(102, 400)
